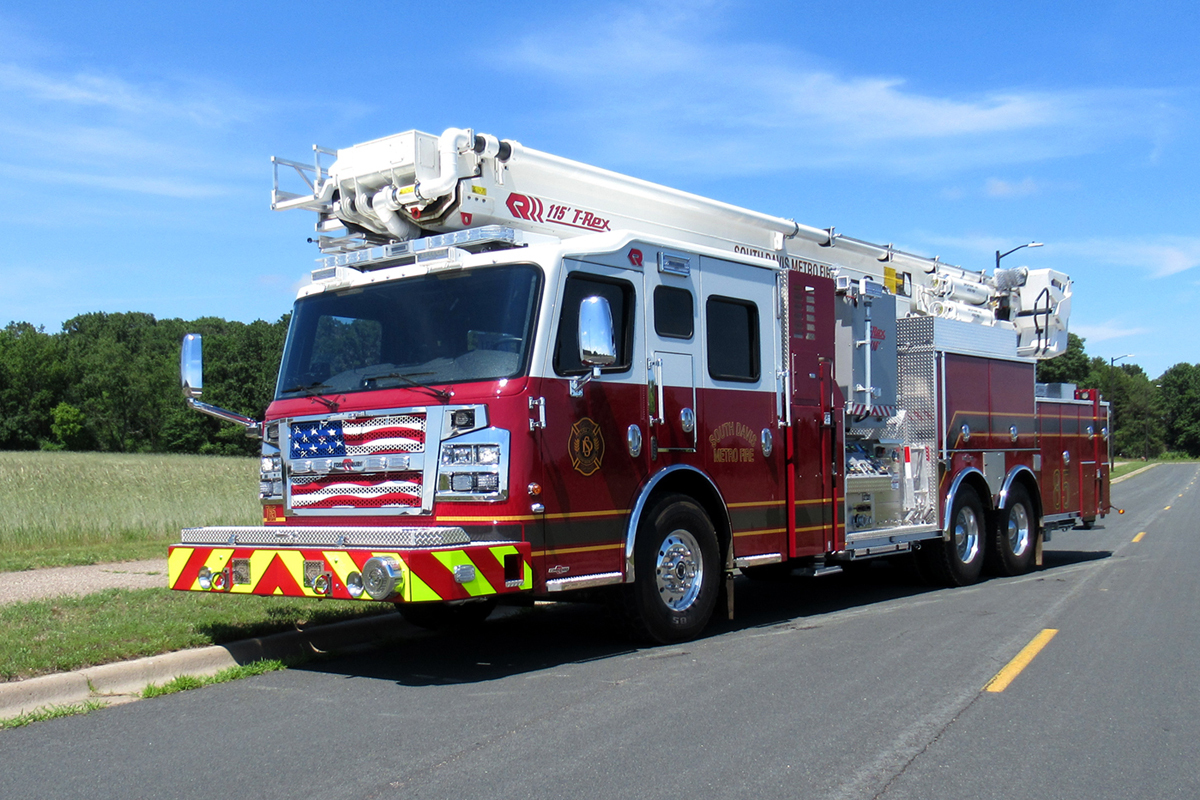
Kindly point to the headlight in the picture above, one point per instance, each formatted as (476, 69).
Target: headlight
(470, 454)
(458, 454)
(474, 467)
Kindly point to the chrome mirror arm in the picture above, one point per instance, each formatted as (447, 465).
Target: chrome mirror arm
(578, 382)
(254, 428)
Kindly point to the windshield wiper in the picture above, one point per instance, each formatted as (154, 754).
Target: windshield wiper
(407, 379)
(309, 389)
(314, 391)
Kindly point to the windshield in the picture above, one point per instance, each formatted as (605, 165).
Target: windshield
(454, 327)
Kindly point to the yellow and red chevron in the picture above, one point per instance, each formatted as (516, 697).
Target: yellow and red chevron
(427, 574)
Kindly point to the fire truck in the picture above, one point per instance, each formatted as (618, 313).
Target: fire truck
(516, 376)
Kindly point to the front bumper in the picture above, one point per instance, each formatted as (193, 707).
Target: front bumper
(431, 564)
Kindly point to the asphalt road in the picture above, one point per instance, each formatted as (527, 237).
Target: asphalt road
(861, 685)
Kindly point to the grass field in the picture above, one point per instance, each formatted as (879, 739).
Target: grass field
(87, 508)
(1126, 467)
(68, 633)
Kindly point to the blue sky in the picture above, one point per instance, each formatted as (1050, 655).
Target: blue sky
(135, 137)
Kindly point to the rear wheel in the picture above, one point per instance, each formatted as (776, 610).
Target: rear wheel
(959, 561)
(1013, 540)
(447, 616)
(677, 571)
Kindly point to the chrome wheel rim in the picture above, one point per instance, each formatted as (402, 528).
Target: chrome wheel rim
(966, 535)
(1019, 529)
(679, 570)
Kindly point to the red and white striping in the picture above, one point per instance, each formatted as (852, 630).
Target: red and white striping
(398, 433)
(402, 489)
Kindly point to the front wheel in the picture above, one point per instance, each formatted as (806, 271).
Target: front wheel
(1014, 538)
(959, 560)
(677, 570)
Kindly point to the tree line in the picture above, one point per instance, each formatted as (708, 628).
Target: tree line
(1150, 418)
(110, 382)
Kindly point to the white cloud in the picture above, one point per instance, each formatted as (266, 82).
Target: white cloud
(1105, 331)
(101, 131)
(207, 105)
(162, 186)
(995, 187)
(670, 91)
(1160, 257)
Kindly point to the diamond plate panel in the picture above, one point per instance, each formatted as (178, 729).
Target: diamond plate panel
(400, 537)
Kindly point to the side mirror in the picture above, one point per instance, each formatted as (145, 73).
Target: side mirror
(191, 366)
(191, 375)
(597, 341)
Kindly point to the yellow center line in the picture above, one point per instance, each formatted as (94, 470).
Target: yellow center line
(1138, 538)
(1013, 668)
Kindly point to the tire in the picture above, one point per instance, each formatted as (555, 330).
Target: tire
(1013, 540)
(959, 561)
(445, 616)
(677, 573)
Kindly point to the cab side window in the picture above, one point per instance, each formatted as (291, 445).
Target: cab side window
(621, 300)
(673, 312)
(732, 333)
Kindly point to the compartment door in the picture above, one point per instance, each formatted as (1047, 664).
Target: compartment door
(815, 444)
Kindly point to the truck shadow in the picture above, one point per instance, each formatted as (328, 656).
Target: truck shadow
(546, 636)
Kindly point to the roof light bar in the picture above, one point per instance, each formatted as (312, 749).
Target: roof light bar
(372, 257)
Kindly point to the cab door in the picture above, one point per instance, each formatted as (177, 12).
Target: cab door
(591, 444)
(671, 351)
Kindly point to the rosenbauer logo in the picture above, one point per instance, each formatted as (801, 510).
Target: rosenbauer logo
(533, 209)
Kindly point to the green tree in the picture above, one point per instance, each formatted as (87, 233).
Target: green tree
(1136, 409)
(1070, 367)
(70, 427)
(33, 378)
(122, 365)
(1180, 388)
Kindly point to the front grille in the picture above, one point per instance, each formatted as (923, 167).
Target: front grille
(378, 490)
(361, 436)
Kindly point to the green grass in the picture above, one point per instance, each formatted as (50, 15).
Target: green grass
(180, 684)
(1126, 467)
(87, 508)
(69, 633)
(185, 682)
(52, 712)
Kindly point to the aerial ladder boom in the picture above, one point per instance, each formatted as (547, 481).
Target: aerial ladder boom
(414, 184)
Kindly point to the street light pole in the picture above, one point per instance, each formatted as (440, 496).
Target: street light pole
(1112, 366)
(1000, 255)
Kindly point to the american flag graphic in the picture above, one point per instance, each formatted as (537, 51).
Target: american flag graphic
(396, 433)
(364, 436)
(381, 490)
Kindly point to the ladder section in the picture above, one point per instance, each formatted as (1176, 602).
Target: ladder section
(413, 184)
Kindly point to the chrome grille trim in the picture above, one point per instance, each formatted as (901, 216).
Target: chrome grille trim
(409, 537)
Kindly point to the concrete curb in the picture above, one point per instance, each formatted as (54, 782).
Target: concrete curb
(124, 681)
(1131, 474)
